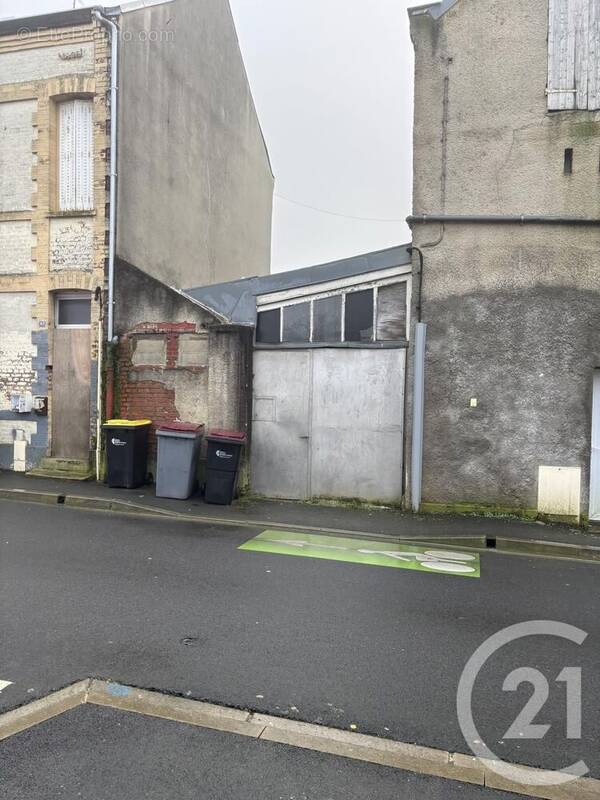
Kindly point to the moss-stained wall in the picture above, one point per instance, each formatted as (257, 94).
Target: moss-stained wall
(513, 310)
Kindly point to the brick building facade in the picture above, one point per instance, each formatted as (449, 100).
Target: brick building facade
(52, 245)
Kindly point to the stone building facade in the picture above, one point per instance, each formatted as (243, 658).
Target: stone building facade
(52, 244)
(506, 216)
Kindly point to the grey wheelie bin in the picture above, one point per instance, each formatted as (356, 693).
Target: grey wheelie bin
(177, 462)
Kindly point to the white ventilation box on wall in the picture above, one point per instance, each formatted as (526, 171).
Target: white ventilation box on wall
(559, 491)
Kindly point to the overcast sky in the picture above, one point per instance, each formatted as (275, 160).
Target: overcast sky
(332, 80)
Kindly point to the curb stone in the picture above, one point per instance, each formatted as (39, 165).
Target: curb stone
(347, 744)
(53, 705)
(504, 545)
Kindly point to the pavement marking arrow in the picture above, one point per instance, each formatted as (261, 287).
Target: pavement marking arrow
(5, 684)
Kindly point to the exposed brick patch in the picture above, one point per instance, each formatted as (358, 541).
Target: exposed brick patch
(164, 327)
(146, 391)
(172, 350)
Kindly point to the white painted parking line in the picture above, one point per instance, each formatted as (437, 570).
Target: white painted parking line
(5, 684)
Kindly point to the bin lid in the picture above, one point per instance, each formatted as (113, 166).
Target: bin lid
(235, 436)
(127, 423)
(182, 427)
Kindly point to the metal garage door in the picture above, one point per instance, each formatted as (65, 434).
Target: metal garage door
(328, 423)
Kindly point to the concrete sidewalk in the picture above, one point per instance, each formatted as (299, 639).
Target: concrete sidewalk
(500, 532)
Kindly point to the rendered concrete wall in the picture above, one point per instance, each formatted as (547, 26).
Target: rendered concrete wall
(141, 299)
(513, 311)
(195, 186)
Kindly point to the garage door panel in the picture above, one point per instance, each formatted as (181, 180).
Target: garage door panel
(368, 385)
(279, 459)
(351, 463)
(279, 462)
(357, 424)
(329, 423)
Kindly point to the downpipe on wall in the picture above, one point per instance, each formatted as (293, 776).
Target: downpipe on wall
(113, 30)
(99, 395)
(418, 414)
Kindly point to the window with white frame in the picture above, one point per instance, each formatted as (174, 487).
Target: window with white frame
(574, 55)
(354, 315)
(75, 160)
(73, 310)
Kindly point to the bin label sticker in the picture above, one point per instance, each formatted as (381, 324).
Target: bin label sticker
(366, 551)
(118, 443)
(223, 454)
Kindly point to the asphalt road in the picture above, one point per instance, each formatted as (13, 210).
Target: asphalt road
(85, 593)
(101, 754)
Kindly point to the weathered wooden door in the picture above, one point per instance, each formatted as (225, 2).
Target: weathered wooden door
(595, 462)
(71, 386)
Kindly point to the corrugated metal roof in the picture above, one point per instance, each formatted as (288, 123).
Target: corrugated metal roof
(236, 300)
(435, 10)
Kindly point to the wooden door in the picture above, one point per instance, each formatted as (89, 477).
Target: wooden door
(71, 386)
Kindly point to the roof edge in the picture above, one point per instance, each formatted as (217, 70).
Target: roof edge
(434, 10)
(368, 254)
(40, 22)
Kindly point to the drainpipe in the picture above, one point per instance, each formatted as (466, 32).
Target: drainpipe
(113, 31)
(99, 398)
(418, 413)
(419, 308)
(502, 219)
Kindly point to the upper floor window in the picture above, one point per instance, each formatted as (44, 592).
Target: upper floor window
(75, 162)
(574, 55)
(356, 315)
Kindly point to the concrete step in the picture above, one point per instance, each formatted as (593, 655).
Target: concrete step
(64, 468)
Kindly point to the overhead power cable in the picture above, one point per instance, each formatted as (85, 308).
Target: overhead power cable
(336, 213)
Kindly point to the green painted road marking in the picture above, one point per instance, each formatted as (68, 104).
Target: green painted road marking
(361, 551)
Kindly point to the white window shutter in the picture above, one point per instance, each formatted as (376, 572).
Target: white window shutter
(83, 155)
(67, 157)
(574, 55)
(594, 57)
(76, 180)
(581, 13)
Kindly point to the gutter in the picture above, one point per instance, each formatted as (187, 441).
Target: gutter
(501, 219)
(113, 31)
